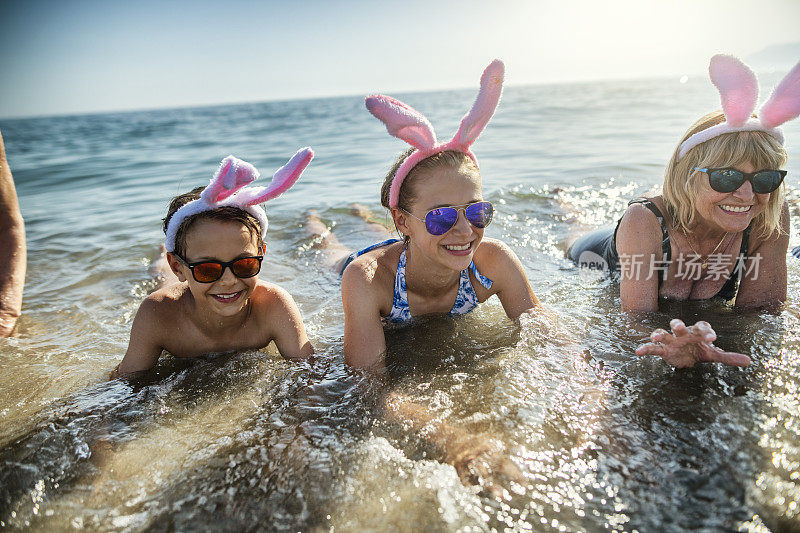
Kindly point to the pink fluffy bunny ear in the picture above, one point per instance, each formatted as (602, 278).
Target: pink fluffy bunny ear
(402, 121)
(482, 110)
(784, 103)
(232, 175)
(737, 86)
(282, 180)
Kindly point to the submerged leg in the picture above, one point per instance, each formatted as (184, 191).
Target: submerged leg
(333, 251)
(160, 270)
(373, 223)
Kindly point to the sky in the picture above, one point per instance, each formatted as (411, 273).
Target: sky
(78, 56)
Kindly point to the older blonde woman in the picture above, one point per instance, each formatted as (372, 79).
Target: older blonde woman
(720, 228)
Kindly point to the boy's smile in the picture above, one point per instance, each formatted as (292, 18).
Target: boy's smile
(219, 240)
(227, 297)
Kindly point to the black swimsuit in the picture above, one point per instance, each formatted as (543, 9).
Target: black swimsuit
(603, 243)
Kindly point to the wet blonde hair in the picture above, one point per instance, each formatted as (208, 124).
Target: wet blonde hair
(682, 182)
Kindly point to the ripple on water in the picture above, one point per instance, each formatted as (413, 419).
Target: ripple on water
(603, 440)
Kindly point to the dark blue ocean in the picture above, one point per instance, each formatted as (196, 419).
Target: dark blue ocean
(604, 440)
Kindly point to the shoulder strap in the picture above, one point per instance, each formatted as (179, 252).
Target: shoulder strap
(381, 244)
(731, 287)
(745, 240)
(400, 309)
(666, 249)
(483, 280)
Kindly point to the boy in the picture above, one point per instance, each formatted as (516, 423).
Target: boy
(212, 300)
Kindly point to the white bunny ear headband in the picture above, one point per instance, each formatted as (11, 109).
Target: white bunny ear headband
(738, 89)
(408, 124)
(227, 188)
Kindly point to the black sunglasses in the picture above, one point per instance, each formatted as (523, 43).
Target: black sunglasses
(211, 271)
(730, 179)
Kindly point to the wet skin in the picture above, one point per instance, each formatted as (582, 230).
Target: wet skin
(433, 266)
(189, 318)
(722, 219)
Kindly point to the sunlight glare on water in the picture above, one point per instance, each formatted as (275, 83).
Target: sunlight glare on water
(601, 439)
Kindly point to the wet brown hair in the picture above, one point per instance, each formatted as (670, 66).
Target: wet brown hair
(448, 158)
(226, 213)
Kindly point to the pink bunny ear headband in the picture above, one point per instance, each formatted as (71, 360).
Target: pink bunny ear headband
(738, 89)
(227, 188)
(408, 124)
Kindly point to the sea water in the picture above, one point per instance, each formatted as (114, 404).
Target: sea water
(604, 440)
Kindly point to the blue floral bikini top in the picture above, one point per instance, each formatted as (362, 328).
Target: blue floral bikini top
(466, 299)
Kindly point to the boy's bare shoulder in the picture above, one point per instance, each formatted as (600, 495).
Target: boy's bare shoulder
(266, 291)
(166, 300)
(268, 298)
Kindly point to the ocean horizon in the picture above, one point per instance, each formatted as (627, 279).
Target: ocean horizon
(608, 441)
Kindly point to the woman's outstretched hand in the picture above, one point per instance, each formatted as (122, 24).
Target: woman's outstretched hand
(686, 346)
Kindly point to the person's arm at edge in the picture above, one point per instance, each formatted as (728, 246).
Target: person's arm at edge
(13, 260)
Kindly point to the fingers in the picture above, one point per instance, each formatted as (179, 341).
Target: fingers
(715, 355)
(678, 328)
(704, 330)
(651, 348)
(660, 335)
(701, 331)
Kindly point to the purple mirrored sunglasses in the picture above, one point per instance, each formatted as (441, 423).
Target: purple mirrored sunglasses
(440, 220)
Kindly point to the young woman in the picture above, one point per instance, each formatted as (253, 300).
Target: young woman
(442, 264)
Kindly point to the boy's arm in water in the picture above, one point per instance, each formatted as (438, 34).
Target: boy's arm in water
(765, 278)
(364, 341)
(288, 330)
(12, 243)
(144, 346)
